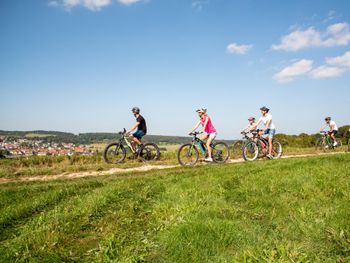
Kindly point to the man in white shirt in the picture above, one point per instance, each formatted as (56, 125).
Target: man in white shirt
(333, 129)
(270, 128)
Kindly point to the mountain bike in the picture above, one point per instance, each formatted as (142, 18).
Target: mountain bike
(188, 153)
(326, 142)
(115, 152)
(258, 147)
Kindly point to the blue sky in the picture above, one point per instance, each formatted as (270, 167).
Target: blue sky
(81, 65)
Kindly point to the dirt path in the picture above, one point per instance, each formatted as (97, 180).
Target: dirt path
(127, 170)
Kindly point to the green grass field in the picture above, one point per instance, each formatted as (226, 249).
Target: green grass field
(292, 210)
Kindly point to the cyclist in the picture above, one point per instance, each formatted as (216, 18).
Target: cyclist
(140, 126)
(209, 131)
(333, 129)
(251, 125)
(269, 129)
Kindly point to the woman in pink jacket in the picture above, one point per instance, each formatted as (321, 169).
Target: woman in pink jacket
(208, 129)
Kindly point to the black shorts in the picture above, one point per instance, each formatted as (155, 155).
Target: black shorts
(333, 132)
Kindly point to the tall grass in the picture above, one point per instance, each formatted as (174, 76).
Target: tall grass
(292, 210)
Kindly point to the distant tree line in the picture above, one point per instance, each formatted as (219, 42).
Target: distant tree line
(301, 140)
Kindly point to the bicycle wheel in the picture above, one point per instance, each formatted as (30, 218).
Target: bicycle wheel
(220, 152)
(276, 149)
(250, 151)
(149, 152)
(319, 144)
(187, 155)
(339, 142)
(237, 148)
(114, 153)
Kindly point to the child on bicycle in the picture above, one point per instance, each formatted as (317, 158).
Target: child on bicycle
(140, 126)
(251, 125)
(333, 129)
(269, 129)
(209, 131)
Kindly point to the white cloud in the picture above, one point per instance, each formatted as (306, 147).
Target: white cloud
(129, 2)
(289, 73)
(340, 61)
(326, 72)
(234, 48)
(93, 5)
(335, 35)
(299, 39)
(198, 4)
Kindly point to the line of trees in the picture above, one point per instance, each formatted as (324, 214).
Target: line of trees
(301, 140)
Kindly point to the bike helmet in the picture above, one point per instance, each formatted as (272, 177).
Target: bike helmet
(202, 110)
(251, 119)
(265, 109)
(135, 110)
(327, 119)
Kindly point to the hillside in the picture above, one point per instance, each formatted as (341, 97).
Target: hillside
(291, 210)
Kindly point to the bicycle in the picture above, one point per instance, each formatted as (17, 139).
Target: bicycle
(326, 142)
(188, 153)
(258, 147)
(115, 152)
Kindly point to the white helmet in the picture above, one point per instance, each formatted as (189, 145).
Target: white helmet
(202, 110)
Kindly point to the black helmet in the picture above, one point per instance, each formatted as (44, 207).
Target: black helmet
(136, 110)
(327, 119)
(265, 109)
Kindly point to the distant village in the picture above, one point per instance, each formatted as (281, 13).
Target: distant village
(16, 147)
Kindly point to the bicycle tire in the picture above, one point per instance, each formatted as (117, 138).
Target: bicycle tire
(277, 149)
(319, 144)
(220, 152)
(122, 153)
(250, 147)
(194, 152)
(146, 154)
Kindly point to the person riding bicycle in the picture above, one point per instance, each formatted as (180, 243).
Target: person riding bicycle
(209, 131)
(140, 126)
(269, 129)
(250, 127)
(333, 129)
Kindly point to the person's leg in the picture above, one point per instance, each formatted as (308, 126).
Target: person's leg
(333, 138)
(203, 138)
(209, 141)
(270, 145)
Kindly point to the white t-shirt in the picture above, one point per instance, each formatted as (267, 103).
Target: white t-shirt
(265, 119)
(333, 126)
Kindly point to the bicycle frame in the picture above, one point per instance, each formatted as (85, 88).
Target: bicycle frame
(201, 144)
(126, 140)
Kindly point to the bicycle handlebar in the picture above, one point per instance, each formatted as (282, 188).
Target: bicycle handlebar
(122, 132)
(195, 133)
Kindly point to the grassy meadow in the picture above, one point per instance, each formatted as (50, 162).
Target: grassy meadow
(290, 210)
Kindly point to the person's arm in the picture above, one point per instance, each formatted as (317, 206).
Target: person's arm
(196, 127)
(323, 127)
(256, 125)
(133, 128)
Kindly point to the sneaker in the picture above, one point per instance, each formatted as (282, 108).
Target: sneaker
(335, 144)
(269, 156)
(208, 159)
